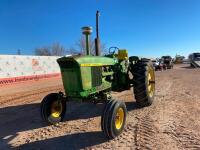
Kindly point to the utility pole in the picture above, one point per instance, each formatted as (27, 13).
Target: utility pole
(18, 52)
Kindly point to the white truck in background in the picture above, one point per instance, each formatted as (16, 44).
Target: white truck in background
(194, 59)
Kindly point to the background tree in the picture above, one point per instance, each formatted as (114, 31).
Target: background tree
(57, 50)
(43, 51)
(72, 51)
(103, 49)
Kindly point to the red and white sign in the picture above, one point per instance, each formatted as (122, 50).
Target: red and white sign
(15, 68)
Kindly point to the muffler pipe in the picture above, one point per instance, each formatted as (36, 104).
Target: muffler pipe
(97, 40)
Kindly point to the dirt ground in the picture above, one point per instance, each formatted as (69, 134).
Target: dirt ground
(172, 122)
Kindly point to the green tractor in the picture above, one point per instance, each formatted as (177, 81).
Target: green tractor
(92, 78)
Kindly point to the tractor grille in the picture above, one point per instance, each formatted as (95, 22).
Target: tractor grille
(96, 73)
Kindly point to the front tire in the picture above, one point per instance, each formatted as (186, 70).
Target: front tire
(113, 118)
(52, 108)
(144, 83)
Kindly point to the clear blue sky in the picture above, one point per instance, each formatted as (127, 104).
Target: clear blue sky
(144, 27)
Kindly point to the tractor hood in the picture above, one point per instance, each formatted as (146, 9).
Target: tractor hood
(86, 61)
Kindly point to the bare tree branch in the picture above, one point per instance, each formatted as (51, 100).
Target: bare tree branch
(57, 50)
(72, 51)
(43, 51)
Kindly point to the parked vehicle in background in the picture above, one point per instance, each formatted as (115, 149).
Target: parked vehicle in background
(186, 61)
(153, 63)
(194, 60)
(168, 61)
(179, 59)
(160, 65)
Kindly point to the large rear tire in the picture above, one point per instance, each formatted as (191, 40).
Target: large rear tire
(144, 83)
(52, 108)
(113, 118)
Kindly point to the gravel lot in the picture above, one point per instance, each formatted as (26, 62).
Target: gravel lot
(172, 122)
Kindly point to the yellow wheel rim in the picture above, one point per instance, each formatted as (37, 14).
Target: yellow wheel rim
(151, 82)
(56, 109)
(119, 119)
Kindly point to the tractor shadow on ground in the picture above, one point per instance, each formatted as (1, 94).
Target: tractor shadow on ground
(88, 110)
(69, 142)
(77, 140)
(132, 106)
(26, 117)
(19, 118)
(14, 119)
(76, 110)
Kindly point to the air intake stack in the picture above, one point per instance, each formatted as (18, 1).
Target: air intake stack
(87, 31)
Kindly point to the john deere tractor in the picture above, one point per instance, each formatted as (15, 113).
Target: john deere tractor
(92, 78)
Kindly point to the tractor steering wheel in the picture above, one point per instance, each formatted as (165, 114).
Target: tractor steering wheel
(112, 50)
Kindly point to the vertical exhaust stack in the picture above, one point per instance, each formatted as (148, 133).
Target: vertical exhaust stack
(87, 31)
(97, 40)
